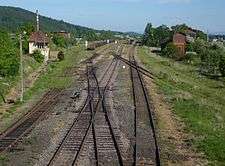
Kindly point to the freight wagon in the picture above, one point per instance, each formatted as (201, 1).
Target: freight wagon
(96, 44)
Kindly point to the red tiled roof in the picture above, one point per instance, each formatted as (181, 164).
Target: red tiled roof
(39, 37)
(179, 38)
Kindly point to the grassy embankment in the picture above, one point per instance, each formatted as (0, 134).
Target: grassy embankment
(50, 79)
(197, 100)
(6, 83)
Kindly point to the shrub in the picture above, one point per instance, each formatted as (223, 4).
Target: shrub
(190, 47)
(61, 56)
(191, 58)
(200, 46)
(210, 61)
(170, 51)
(38, 56)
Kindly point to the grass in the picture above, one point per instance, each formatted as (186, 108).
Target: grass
(50, 79)
(30, 65)
(197, 100)
(2, 158)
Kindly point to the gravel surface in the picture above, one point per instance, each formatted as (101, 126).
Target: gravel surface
(40, 145)
(123, 109)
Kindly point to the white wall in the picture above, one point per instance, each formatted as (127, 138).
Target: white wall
(44, 51)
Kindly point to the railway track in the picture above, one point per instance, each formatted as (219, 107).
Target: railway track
(146, 151)
(92, 127)
(106, 138)
(24, 125)
(93, 139)
(135, 66)
(96, 54)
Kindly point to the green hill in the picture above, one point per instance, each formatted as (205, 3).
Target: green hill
(11, 18)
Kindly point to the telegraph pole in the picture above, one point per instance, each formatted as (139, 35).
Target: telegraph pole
(21, 67)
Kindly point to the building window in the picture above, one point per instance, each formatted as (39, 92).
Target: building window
(40, 45)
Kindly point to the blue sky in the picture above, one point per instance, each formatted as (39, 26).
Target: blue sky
(131, 15)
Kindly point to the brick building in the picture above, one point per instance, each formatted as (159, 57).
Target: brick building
(179, 40)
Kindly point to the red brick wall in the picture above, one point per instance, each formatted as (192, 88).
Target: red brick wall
(179, 40)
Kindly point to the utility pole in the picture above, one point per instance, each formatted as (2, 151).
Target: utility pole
(86, 44)
(21, 67)
(37, 15)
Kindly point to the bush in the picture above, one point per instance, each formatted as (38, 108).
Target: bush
(210, 61)
(170, 51)
(190, 47)
(61, 56)
(191, 58)
(38, 56)
(200, 46)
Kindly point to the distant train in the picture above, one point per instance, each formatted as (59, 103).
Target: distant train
(95, 44)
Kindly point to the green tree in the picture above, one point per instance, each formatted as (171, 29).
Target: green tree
(155, 36)
(9, 59)
(181, 28)
(200, 46)
(212, 60)
(161, 33)
(90, 36)
(26, 30)
(190, 47)
(106, 35)
(148, 37)
(201, 35)
(60, 41)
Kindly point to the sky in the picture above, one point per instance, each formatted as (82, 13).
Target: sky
(131, 15)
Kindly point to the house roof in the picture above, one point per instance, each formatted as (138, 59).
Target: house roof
(38, 37)
(179, 38)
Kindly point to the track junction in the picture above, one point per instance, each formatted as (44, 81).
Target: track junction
(94, 137)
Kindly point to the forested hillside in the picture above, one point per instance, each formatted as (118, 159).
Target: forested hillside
(11, 18)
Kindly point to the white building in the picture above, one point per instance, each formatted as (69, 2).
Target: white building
(39, 41)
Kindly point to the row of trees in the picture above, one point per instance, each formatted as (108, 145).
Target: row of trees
(153, 37)
(101, 35)
(209, 56)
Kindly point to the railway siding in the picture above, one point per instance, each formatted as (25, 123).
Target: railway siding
(95, 134)
(146, 147)
(23, 126)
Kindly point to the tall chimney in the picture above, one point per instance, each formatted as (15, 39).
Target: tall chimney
(37, 20)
